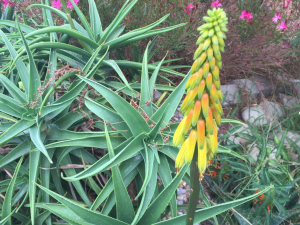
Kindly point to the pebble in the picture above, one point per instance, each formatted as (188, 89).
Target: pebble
(181, 197)
(180, 191)
(179, 202)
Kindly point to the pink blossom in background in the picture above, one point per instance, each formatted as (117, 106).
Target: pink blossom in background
(288, 44)
(174, 14)
(282, 26)
(246, 15)
(188, 8)
(70, 4)
(216, 4)
(276, 17)
(57, 4)
(6, 2)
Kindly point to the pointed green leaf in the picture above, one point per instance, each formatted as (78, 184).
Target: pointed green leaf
(86, 215)
(131, 116)
(7, 204)
(95, 20)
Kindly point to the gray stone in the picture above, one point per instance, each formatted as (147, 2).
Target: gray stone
(181, 197)
(254, 86)
(264, 113)
(180, 203)
(156, 95)
(293, 136)
(180, 191)
(231, 94)
(289, 101)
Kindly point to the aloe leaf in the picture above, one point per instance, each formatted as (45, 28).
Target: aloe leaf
(15, 129)
(124, 64)
(126, 168)
(156, 129)
(83, 20)
(206, 213)
(13, 104)
(67, 120)
(166, 178)
(145, 101)
(96, 25)
(173, 100)
(15, 92)
(152, 81)
(14, 154)
(78, 186)
(147, 194)
(45, 179)
(49, 45)
(161, 201)
(4, 108)
(34, 78)
(7, 117)
(35, 135)
(108, 115)
(24, 75)
(121, 194)
(61, 14)
(63, 30)
(117, 20)
(63, 212)
(114, 65)
(24, 28)
(89, 64)
(7, 204)
(59, 134)
(130, 115)
(86, 215)
(148, 156)
(132, 148)
(232, 121)
(34, 158)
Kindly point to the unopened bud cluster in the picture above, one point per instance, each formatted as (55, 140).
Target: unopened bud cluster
(202, 107)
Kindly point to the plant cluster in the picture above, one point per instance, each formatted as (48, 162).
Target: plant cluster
(80, 127)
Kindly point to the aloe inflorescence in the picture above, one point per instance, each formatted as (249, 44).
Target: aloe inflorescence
(202, 107)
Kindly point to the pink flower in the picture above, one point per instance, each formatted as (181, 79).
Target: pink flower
(288, 44)
(246, 15)
(282, 26)
(216, 4)
(57, 4)
(188, 8)
(6, 2)
(70, 4)
(276, 17)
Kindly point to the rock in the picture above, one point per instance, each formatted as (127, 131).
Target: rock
(179, 213)
(264, 113)
(289, 101)
(255, 86)
(240, 140)
(156, 95)
(231, 94)
(179, 202)
(180, 191)
(181, 197)
(254, 152)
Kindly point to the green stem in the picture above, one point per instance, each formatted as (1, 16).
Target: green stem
(195, 189)
(58, 82)
(67, 11)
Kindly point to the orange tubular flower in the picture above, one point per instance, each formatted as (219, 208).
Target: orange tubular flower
(201, 134)
(193, 81)
(209, 81)
(191, 146)
(214, 94)
(209, 121)
(205, 69)
(188, 122)
(205, 104)
(196, 114)
(199, 76)
(201, 88)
